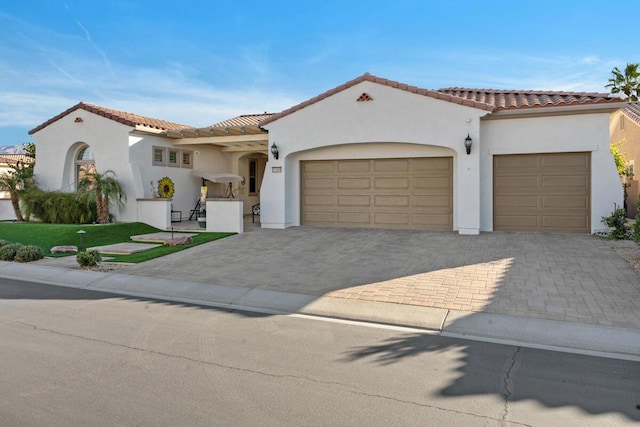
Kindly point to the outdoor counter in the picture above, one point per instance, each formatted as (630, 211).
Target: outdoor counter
(225, 215)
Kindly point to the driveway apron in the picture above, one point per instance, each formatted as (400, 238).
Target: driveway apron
(574, 278)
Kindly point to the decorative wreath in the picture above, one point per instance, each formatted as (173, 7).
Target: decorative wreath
(166, 188)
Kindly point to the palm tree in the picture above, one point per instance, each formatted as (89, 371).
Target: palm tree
(104, 187)
(10, 182)
(627, 82)
(15, 182)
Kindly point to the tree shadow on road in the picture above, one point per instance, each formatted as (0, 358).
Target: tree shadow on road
(593, 384)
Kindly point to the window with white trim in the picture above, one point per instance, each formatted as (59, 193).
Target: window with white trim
(173, 158)
(253, 176)
(159, 156)
(84, 163)
(187, 159)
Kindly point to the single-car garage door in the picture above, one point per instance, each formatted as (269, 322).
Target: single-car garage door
(414, 193)
(542, 192)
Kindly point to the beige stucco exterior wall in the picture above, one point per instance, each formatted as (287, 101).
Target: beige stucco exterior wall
(627, 130)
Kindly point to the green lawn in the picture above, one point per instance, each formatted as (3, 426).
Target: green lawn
(47, 236)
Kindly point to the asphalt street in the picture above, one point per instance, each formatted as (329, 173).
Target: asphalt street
(75, 358)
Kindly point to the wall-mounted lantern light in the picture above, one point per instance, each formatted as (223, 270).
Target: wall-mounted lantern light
(274, 151)
(467, 143)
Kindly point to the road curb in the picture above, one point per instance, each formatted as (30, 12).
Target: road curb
(621, 343)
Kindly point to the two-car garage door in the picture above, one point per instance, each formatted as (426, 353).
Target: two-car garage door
(542, 192)
(413, 193)
(531, 192)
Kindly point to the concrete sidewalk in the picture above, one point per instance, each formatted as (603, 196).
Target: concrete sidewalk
(555, 289)
(581, 338)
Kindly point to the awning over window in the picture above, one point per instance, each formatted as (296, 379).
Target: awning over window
(223, 178)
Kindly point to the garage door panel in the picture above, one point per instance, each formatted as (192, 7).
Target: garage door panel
(434, 221)
(563, 222)
(319, 183)
(354, 183)
(442, 182)
(388, 219)
(400, 183)
(353, 166)
(319, 217)
(320, 200)
(556, 196)
(354, 218)
(567, 160)
(556, 182)
(517, 221)
(392, 193)
(393, 165)
(318, 167)
(517, 182)
(565, 202)
(441, 201)
(391, 201)
(432, 165)
(516, 162)
(521, 201)
(354, 200)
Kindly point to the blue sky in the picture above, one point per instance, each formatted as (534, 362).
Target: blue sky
(200, 62)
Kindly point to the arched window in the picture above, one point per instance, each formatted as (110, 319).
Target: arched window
(85, 163)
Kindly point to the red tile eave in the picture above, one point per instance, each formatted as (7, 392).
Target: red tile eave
(374, 79)
(632, 111)
(117, 116)
(539, 106)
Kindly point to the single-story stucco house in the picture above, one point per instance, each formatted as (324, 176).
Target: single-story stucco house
(369, 153)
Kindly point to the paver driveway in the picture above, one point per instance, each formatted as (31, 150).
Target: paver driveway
(576, 278)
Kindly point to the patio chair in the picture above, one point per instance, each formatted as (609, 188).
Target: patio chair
(176, 214)
(255, 210)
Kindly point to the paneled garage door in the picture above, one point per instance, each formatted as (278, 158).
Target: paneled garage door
(412, 193)
(542, 192)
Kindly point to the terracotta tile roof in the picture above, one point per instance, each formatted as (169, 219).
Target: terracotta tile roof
(632, 111)
(11, 159)
(244, 120)
(371, 78)
(123, 117)
(518, 99)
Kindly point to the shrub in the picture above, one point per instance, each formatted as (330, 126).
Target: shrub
(59, 208)
(635, 230)
(618, 221)
(4, 242)
(8, 252)
(29, 253)
(88, 258)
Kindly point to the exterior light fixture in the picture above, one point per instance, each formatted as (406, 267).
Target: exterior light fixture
(467, 143)
(274, 151)
(81, 234)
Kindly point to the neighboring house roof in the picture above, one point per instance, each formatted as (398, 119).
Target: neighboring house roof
(633, 111)
(517, 99)
(12, 159)
(123, 117)
(485, 99)
(244, 120)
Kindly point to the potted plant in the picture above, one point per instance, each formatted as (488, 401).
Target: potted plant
(202, 217)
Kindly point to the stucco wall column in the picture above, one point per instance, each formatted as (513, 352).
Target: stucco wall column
(272, 205)
(467, 190)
